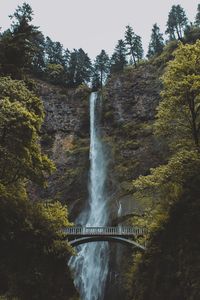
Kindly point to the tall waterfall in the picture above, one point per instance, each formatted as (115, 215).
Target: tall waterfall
(90, 266)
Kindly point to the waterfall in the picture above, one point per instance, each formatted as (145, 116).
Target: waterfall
(90, 266)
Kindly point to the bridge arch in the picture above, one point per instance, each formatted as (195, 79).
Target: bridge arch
(89, 239)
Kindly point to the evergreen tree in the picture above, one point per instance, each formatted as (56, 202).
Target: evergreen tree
(134, 44)
(156, 43)
(80, 68)
(21, 44)
(118, 59)
(54, 52)
(177, 22)
(197, 19)
(96, 80)
(38, 61)
(102, 66)
(23, 36)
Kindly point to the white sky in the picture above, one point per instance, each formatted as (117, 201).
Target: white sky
(96, 24)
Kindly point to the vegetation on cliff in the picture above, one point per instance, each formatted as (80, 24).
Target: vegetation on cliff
(171, 192)
(33, 252)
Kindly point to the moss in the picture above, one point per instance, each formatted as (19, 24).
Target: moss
(83, 91)
(109, 116)
(131, 144)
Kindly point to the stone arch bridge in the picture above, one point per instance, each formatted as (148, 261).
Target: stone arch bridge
(127, 235)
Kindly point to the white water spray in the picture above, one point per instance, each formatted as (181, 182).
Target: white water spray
(90, 266)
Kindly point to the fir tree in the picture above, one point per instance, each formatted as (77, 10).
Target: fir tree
(156, 43)
(197, 19)
(80, 68)
(118, 59)
(102, 66)
(134, 45)
(177, 22)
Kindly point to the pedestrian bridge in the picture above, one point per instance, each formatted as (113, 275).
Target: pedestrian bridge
(127, 235)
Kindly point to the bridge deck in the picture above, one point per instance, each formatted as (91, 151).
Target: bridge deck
(105, 231)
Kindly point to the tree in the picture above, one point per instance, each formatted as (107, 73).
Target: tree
(54, 52)
(179, 113)
(102, 66)
(38, 60)
(134, 45)
(34, 250)
(157, 42)
(118, 59)
(172, 190)
(197, 19)
(176, 23)
(79, 68)
(21, 116)
(191, 34)
(21, 43)
(178, 122)
(55, 73)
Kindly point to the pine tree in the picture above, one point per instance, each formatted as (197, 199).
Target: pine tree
(177, 22)
(102, 66)
(21, 43)
(80, 68)
(157, 42)
(134, 45)
(23, 36)
(197, 19)
(118, 59)
(54, 52)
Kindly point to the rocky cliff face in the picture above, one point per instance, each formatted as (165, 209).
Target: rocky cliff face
(130, 101)
(65, 138)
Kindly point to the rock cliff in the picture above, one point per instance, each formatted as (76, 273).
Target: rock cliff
(65, 138)
(130, 101)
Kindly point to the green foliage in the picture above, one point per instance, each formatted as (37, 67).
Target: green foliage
(21, 115)
(55, 73)
(118, 59)
(176, 23)
(157, 42)
(197, 19)
(178, 114)
(54, 52)
(22, 45)
(172, 257)
(34, 252)
(79, 68)
(166, 55)
(171, 191)
(100, 70)
(191, 34)
(134, 44)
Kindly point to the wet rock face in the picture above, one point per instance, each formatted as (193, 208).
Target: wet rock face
(65, 139)
(134, 95)
(65, 110)
(130, 101)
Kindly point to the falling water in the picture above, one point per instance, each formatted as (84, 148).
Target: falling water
(90, 266)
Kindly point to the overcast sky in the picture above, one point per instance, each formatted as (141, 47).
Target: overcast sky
(94, 25)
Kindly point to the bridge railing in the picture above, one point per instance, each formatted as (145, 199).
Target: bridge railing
(108, 230)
